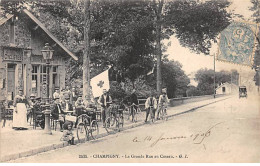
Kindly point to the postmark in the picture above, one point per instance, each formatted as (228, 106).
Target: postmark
(237, 43)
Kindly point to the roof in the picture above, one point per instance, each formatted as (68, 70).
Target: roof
(226, 83)
(4, 19)
(49, 33)
(31, 16)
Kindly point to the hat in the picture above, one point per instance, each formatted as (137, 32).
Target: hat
(38, 98)
(57, 88)
(66, 124)
(21, 89)
(32, 95)
(80, 98)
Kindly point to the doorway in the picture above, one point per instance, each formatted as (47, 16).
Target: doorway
(11, 81)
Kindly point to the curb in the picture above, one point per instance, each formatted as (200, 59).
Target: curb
(64, 144)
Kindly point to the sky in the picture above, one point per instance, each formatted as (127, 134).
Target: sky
(192, 62)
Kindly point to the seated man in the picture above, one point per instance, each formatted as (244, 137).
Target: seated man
(80, 108)
(67, 106)
(58, 113)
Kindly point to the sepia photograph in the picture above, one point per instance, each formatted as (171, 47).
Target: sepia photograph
(129, 81)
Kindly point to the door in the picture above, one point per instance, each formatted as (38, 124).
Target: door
(11, 81)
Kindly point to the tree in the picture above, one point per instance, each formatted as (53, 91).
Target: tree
(256, 16)
(205, 78)
(128, 34)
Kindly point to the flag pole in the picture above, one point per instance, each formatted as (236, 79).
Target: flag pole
(214, 76)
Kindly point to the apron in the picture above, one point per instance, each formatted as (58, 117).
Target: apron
(20, 118)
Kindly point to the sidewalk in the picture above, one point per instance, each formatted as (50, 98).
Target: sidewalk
(21, 143)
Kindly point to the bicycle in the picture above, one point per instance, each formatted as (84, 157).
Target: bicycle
(115, 120)
(87, 127)
(135, 112)
(163, 112)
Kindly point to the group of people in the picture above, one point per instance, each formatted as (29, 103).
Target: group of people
(69, 101)
(151, 104)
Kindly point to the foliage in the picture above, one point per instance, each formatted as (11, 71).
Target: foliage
(205, 78)
(196, 24)
(174, 78)
(123, 35)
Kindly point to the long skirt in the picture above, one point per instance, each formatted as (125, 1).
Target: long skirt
(20, 117)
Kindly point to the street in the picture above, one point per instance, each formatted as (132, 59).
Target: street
(226, 131)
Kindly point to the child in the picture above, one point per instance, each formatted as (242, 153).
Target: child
(67, 133)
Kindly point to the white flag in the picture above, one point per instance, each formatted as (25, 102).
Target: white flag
(100, 82)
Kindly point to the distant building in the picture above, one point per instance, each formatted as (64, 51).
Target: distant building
(22, 66)
(227, 88)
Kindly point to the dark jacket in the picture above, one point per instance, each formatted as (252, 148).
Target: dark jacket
(70, 106)
(55, 111)
(102, 100)
(133, 99)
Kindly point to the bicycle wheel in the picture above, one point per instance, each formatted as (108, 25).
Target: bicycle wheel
(94, 130)
(165, 115)
(152, 115)
(135, 115)
(121, 121)
(82, 132)
(111, 124)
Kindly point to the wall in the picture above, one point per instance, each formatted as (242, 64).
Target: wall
(184, 100)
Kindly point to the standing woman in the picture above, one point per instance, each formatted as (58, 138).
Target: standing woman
(20, 111)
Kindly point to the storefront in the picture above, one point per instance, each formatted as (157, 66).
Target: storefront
(22, 65)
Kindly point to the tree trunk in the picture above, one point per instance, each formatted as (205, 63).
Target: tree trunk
(86, 52)
(158, 21)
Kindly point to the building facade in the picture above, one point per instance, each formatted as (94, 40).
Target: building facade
(22, 66)
(227, 88)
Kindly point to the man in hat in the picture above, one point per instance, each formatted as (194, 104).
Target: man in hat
(58, 113)
(32, 102)
(150, 106)
(74, 95)
(104, 100)
(67, 106)
(134, 103)
(56, 94)
(163, 102)
(80, 108)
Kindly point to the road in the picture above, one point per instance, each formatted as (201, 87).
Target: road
(227, 131)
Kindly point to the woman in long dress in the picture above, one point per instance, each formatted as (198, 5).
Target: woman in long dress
(20, 111)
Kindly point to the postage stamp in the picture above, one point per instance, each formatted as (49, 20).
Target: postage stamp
(237, 43)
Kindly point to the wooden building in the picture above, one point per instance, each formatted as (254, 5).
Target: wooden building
(22, 38)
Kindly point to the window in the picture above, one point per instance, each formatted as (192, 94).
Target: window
(34, 79)
(11, 35)
(55, 77)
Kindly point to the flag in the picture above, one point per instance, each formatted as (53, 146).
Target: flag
(100, 82)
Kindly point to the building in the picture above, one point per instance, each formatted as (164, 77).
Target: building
(227, 88)
(22, 38)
